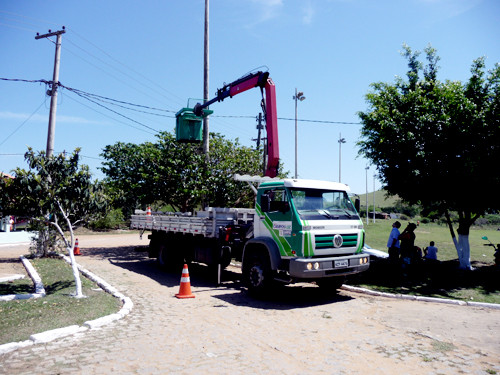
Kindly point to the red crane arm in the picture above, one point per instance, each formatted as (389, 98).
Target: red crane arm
(262, 80)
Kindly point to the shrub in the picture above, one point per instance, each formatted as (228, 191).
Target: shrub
(113, 220)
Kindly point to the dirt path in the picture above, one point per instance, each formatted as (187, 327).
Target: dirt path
(223, 330)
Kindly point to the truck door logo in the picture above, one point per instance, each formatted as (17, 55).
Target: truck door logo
(338, 240)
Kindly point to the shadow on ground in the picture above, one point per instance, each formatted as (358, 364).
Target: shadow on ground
(135, 259)
(440, 279)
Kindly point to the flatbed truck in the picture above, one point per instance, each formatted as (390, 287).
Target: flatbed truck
(299, 230)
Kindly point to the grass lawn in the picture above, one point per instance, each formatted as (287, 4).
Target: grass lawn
(21, 318)
(442, 280)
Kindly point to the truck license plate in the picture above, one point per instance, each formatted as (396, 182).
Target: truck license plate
(341, 263)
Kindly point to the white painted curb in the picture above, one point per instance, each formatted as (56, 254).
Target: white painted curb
(54, 334)
(11, 278)
(39, 288)
(47, 336)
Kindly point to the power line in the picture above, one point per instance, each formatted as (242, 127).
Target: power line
(114, 119)
(26, 80)
(94, 98)
(113, 101)
(132, 70)
(321, 121)
(24, 122)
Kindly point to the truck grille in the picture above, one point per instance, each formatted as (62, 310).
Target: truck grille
(325, 241)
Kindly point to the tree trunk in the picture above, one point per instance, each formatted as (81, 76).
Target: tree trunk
(462, 245)
(70, 247)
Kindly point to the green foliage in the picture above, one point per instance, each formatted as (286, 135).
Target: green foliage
(433, 141)
(53, 191)
(179, 174)
(113, 219)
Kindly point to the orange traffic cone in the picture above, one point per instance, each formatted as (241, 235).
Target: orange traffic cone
(148, 212)
(76, 250)
(185, 288)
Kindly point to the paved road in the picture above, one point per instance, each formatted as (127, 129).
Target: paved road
(224, 331)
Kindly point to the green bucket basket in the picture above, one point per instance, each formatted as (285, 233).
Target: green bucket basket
(189, 127)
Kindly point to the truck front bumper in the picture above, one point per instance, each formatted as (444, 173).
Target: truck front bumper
(317, 268)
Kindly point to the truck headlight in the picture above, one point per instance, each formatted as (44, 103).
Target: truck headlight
(309, 266)
(316, 266)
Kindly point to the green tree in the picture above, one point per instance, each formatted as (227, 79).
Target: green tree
(56, 192)
(178, 174)
(436, 143)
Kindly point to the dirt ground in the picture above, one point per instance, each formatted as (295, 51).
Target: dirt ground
(224, 330)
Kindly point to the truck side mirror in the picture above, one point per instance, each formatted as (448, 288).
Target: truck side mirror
(357, 204)
(265, 203)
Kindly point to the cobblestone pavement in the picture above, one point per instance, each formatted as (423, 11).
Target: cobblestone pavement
(225, 331)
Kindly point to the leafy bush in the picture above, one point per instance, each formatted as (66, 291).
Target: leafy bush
(114, 219)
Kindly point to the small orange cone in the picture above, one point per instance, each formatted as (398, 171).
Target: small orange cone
(76, 250)
(185, 288)
(148, 212)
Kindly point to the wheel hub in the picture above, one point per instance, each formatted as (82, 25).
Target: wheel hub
(256, 276)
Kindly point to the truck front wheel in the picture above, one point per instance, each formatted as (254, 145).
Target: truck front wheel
(257, 273)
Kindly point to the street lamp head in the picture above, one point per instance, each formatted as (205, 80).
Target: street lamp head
(300, 96)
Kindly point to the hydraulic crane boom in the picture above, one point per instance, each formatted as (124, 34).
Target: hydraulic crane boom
(262, 80)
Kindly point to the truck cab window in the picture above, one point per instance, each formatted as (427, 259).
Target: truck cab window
(277, 200)
(317, 204)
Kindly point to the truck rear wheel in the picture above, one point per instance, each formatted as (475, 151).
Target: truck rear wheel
(257, 273)
(167, 258)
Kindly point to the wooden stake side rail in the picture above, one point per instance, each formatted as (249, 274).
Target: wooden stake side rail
(205, 223)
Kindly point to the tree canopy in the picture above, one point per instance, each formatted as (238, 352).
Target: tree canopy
(436, 143)
(178, 174)
(54, 192)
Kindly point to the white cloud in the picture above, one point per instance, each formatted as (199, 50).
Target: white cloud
(269, 9)
(308, 13)
(451, 8)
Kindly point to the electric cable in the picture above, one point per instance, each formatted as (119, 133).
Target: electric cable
(22, 124)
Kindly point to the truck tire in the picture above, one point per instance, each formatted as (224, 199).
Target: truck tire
(257, 273)
(166, 259)
(331, 284)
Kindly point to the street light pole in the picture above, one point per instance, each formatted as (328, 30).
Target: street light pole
(300, 96)
(367, 167)
(341, 140)
(374, 176)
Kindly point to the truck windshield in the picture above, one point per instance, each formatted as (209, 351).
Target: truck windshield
(317, 204)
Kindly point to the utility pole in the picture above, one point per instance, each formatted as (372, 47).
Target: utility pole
(374, 176)
(367, 167)
(259, 138)
(298, 96)
(341, 140)
(206, 133)
(53, 91)
(259, 130)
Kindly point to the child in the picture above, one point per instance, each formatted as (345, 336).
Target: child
(431, 252)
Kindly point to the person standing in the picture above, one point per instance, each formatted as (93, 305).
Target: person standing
(407, 245)
(393, 242)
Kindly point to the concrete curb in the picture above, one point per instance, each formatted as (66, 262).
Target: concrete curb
(418, 298)
(54, 334)
(39, 288)
(11, 278)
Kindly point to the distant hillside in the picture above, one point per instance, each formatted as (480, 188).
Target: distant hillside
(381, 199)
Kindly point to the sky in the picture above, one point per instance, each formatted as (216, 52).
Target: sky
(150, 53)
